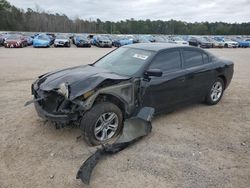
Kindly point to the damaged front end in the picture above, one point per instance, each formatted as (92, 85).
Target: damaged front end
(52, 106)
(64, 96)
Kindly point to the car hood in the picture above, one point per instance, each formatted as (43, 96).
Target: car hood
(80, 79)
(105, 40)
(12, 41)
(61, 40)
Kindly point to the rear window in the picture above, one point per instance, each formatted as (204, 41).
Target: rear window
(192, 58)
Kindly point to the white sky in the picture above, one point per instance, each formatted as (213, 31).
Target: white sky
(115, 10)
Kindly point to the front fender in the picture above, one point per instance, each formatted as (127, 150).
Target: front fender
(123, 91)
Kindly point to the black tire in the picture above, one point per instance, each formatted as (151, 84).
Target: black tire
(226, 45)
(91, 117)
(210, 99)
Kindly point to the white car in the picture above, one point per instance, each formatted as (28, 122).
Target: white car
(230, 44)
(178, 40)
(61, 41)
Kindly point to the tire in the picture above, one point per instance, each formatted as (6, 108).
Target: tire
(215, 92)
(92, 122)
(226, 46)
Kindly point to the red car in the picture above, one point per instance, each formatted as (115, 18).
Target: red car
(15, 41)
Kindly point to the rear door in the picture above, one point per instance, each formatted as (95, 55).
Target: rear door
(200, 73)
(165, 92)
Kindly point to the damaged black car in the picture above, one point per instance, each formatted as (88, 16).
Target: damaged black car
(100, 96)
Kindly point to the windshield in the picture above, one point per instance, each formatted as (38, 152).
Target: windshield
(81, 38)
(177, 39)
(14, 37)
(61, 37)
(125, 61)
(103, 38)
(43, 37)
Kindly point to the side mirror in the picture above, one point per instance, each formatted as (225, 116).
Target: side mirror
(153, 72)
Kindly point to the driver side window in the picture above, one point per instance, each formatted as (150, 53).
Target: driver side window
(168, 61)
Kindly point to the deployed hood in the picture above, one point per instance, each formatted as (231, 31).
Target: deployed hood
(79, 79)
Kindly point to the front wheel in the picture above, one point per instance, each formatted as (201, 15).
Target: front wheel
(216, 92)
(101, 123)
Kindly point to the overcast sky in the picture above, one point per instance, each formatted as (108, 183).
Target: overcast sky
(114, 10)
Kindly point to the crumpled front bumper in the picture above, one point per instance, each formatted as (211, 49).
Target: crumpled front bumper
(54, 108)
(58, 118)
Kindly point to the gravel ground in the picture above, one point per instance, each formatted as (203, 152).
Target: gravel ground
(197, 146)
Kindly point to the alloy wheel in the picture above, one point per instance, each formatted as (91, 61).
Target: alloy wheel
(106, 126)
(216, 91)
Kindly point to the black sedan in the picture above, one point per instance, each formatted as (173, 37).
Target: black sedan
(200, 42)
(101, 95)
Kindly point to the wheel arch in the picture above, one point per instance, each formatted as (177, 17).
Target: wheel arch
(224, 79)
(113, 99)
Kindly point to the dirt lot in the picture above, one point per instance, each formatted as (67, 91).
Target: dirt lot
(198, 146)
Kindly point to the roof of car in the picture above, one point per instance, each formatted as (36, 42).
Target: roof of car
(153, 46)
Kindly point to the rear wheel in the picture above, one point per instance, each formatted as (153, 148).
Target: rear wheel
(216, 92)
(101, 123)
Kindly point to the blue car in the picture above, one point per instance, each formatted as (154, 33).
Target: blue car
(121, 41)
(42, 40)
(101, 41)
(82, 41)
(242, 42)
(149, 38)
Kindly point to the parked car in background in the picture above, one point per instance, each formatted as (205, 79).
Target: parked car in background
(62, 41)
(178, 40)
(162, 39)
(242, 42)
(99, 96)
(52, 37)
(143, 39)
(149, 38)
(228, 43)
(102, 41)
(42, 40)
(119, 41)
(2, 39)
(15, 41)
(29, 39)
(199, 42)
(133, 38)
(215, 43)
(82, 41)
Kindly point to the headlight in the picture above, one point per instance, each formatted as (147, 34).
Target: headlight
(64, 90)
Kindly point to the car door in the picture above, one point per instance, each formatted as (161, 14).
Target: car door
(200, 73)
(164, 92)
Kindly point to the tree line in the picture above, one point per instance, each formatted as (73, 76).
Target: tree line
(15, 19)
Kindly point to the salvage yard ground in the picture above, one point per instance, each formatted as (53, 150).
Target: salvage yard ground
(198, 146)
